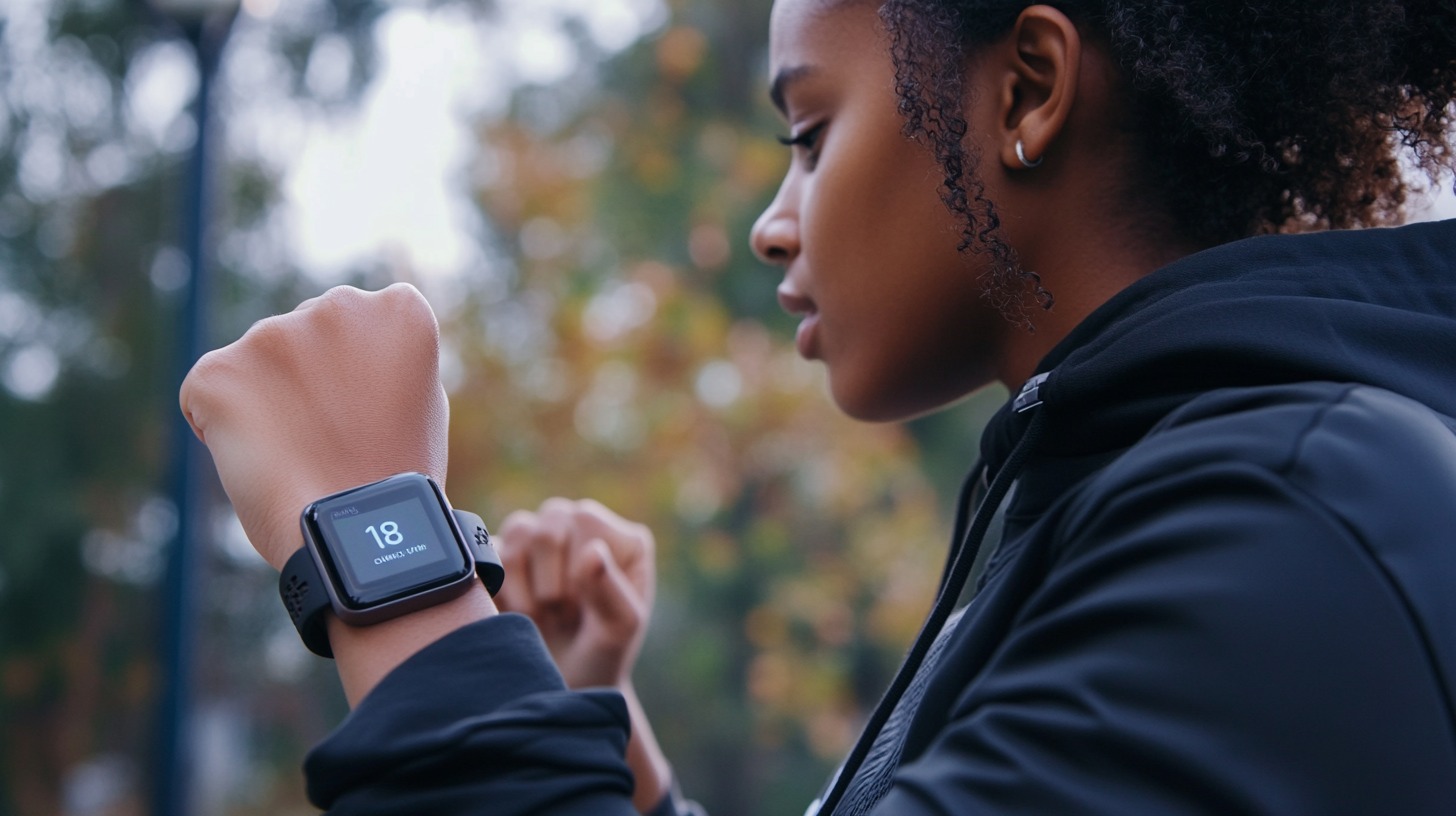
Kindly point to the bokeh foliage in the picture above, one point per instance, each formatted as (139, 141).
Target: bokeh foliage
(625, 345)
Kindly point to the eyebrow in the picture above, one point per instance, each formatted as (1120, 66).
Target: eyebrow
(782, 80)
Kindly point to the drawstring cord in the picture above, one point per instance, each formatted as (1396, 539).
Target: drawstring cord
(950, 591)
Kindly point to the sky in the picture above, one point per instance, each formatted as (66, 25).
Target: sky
(390, 178)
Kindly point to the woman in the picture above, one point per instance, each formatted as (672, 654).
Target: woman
(1226, 481)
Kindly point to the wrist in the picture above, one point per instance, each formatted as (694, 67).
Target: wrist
(365, 654)
(273, 525)
(383, 552)
(650, 769)
(273, 530)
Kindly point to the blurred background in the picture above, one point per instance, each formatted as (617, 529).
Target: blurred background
(571, 183)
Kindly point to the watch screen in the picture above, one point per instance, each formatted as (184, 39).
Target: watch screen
(389, 539)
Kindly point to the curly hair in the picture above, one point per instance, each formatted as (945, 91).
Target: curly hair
(1252, 117)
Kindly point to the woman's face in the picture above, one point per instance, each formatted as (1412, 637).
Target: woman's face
(868, 248)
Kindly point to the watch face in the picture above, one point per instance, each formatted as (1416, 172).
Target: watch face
(388, 540)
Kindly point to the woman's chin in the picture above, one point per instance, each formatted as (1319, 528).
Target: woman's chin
(869, 405)
(900, 404)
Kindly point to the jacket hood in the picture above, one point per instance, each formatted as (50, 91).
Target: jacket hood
(1374, 306)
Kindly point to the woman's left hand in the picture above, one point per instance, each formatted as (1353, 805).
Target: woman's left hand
(341, 391)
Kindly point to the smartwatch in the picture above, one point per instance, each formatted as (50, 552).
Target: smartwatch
(382, 550)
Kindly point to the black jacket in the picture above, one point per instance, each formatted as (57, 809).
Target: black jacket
(1226, 582)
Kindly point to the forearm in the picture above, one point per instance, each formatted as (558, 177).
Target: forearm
(365, 654)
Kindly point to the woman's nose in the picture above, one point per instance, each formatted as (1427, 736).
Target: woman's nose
(775, 235)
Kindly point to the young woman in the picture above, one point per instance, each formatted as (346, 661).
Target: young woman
(1226, 486)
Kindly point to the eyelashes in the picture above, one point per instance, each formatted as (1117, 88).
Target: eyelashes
(806, 138)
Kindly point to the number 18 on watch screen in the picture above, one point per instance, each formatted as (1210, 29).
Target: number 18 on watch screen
(390, 540)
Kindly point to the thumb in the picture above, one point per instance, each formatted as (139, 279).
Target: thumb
(609, 599)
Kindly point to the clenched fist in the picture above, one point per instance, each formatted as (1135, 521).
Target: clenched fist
(341, 391)
(586, 576)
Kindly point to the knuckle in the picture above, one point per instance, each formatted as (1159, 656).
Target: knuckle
(517, 524)
(556, 505)
(595, 509)
(335, 306)
(263, 333)
(646, 540)
(403, 296)
(211, 377)
(511, 555)
(343, 294)
(205, 370)
(405, 300)
(558, 514)
(199, 389)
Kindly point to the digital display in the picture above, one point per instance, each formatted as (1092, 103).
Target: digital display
(388, 539)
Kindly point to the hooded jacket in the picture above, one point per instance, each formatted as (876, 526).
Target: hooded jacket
(1226, 581)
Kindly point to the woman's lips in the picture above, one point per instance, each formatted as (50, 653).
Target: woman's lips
(797, 303)
(806, 339)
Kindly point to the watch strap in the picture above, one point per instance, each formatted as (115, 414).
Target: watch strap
(306, 598)
(487, 562)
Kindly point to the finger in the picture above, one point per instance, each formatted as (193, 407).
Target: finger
(209, 388)
(549, 551)
(333, 294)
(308, 304)
(513, 545)
(613, 604)
(190, 397)
(631, 544)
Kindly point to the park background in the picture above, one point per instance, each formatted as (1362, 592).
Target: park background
(571, 184)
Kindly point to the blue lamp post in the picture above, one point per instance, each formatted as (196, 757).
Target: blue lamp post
(205, 24)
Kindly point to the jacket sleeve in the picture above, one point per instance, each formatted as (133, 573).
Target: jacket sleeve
(478, 722)
(1216, 633)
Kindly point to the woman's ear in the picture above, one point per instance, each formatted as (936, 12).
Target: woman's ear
(1040, 63)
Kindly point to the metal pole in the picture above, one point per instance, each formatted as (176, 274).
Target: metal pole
(173, 773)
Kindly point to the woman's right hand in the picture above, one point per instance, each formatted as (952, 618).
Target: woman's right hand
(586, 576)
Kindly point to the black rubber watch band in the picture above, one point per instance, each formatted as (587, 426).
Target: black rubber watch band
(487, 563)
(306, 598)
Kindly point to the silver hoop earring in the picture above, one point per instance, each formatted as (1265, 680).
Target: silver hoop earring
(1021, 154)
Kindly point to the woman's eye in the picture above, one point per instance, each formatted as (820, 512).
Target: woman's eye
(808, 139)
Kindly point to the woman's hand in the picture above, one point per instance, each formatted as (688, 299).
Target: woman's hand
(586, 576)
(341, 391)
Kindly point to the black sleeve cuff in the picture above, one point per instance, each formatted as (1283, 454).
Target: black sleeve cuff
(479, 721)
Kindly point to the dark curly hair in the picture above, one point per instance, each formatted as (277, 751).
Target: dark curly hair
(1252, 117)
